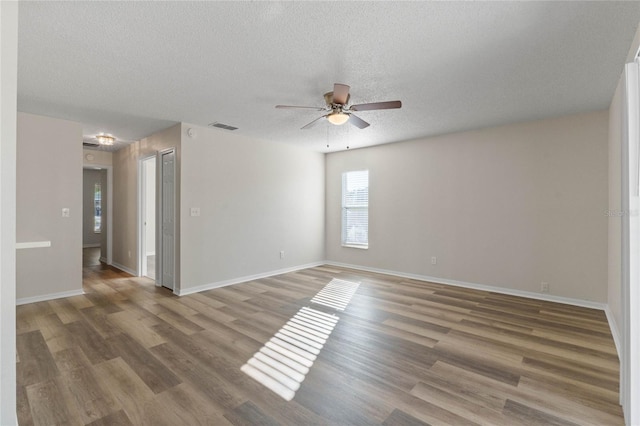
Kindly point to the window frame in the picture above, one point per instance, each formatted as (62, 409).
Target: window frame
(97, 204)
(345, 208)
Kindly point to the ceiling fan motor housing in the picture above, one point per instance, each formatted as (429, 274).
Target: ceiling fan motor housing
(328, 99)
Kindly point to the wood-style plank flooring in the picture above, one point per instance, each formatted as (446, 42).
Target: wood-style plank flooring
(404, 352)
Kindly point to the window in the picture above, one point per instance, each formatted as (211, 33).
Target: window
(97, 208)
(355, 209)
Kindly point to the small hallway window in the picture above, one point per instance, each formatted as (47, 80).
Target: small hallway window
(97, 208)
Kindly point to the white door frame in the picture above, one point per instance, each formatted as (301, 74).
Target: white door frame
(142, 249)
(159, 219)
(109, 169)
(630, 362)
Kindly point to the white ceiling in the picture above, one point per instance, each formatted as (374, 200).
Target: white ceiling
(132, 68)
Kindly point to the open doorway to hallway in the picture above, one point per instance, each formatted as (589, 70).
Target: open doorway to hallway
(148, 218)
(94, 216)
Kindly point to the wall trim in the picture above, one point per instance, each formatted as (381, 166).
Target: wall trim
(614, 330)
(52, 296)
(224, 283)
(501, 290)
(124, 269)
(103, 260)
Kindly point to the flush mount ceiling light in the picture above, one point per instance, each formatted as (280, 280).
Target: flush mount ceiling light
(105, 139)
(338, 118)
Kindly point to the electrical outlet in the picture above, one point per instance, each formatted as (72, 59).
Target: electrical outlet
(282, 254)
(434, 260)
(195, 211)
(544, 287)
(66, 212)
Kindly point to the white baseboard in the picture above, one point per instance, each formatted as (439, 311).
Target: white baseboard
(103, 260)
(218, 284)
(45, 297)
(91, 245)
(501, 290)
(614, 330)
(124, 268)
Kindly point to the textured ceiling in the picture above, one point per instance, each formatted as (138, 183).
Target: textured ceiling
(132, 68)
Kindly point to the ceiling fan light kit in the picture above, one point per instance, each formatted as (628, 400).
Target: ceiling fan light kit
(338, 111)
(338, 118)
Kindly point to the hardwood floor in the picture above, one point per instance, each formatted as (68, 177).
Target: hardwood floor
(90, 256)
(403, 352)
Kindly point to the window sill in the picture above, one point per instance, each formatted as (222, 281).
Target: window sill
(355, 246)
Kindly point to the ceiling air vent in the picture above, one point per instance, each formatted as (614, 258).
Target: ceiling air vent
(90, 144)
(222, 126)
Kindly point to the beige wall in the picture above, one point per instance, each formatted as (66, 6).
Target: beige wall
(614, 297)
(507, 207)
(49, 178)
(92, 157)
(256, 199)
(125, 194)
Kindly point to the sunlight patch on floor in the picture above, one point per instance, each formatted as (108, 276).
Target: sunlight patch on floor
(337, 294)
(283, 362)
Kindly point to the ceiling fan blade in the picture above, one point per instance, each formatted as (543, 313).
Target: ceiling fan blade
(357, 121)
(299, 107)
(340, 93)
(313, 123)
(377, 105)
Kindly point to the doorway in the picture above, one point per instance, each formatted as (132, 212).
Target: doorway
(148, 218)
(166, 217)
(157, 225)
(96, 215)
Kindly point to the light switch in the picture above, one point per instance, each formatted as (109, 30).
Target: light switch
(66, 212)
(195, 211)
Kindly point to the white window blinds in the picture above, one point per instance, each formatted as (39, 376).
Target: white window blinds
(355, 209)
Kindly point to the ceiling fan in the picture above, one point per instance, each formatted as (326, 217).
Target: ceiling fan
(338, 111)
